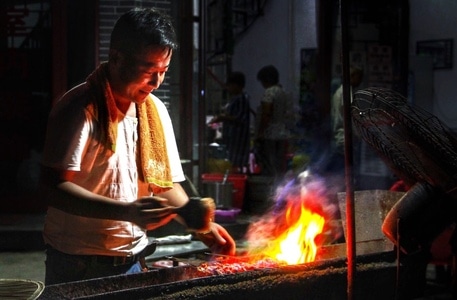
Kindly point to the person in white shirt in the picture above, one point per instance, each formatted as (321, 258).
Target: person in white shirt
(111, 168)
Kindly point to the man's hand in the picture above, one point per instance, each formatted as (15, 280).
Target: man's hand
(218, 240)
(151, 212)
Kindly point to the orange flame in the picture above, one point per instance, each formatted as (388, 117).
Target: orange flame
(296, 244)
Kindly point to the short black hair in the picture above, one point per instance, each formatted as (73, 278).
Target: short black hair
(143, 27)
(269, 75)
(237, 78)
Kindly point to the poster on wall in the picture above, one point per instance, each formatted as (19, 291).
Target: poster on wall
(379, 60)
(439, 50)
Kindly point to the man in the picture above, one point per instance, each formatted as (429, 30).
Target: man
(355, 79)
(335, 164)
(111, 168)
(236, 121)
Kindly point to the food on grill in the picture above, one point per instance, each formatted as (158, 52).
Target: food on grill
(227, 266)
(198, 213)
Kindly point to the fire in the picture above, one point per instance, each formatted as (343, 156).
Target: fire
(287, 233)
(296, 244)
(292, 231)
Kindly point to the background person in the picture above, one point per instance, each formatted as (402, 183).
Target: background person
(236, 121)
(111, 168)
(356, 77)
(273, 123)
(336, 162)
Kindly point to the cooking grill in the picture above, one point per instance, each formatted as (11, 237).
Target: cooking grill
(425, 160)
(324, 279)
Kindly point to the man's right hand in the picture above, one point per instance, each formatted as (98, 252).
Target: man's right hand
(152, 212)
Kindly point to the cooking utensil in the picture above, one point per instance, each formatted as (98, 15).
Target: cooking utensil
(221, 192)
(176, 261)
(224, 180)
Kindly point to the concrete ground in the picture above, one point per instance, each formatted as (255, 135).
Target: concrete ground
(24, 264)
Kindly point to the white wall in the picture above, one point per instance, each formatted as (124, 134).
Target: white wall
(278, 36)
(432, 20)
(290, 25)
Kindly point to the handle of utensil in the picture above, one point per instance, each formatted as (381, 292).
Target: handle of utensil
(224, 180)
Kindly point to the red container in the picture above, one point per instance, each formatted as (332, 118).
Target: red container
(238, 181)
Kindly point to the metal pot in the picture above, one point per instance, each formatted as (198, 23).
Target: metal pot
(221, 192)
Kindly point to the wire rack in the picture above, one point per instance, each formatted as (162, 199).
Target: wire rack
(415, 144)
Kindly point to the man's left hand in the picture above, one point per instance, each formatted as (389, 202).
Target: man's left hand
(218, 240)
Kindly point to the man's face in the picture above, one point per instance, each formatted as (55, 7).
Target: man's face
(137, 75)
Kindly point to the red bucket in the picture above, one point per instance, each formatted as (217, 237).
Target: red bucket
(239, 185)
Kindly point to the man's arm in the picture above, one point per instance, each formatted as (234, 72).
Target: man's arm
(67, 196)
(176, 196)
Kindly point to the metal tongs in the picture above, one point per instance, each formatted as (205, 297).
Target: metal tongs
(176, 261)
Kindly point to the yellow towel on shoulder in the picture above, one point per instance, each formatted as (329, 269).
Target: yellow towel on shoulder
(153, 150)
